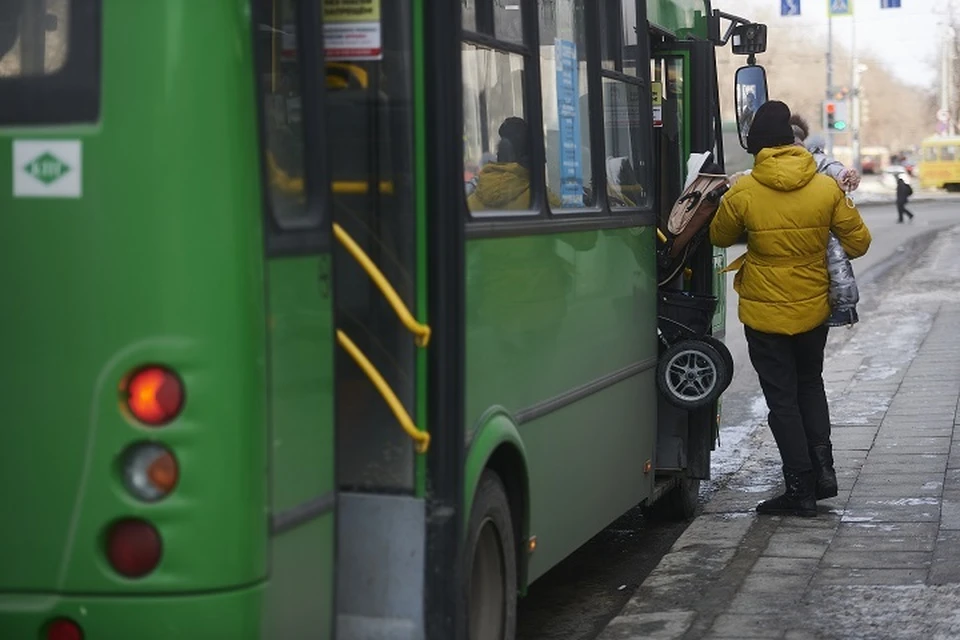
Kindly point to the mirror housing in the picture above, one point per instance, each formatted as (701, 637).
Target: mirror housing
(750, 92)
(749, 39)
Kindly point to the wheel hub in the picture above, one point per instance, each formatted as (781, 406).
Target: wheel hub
(691, 375)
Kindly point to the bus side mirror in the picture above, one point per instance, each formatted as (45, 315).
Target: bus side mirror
(750, 93)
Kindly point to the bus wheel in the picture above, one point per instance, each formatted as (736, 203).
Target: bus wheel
(680, 503)
(491, 571)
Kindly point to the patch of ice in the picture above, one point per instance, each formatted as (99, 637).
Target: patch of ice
(756, 488)
(906, 502)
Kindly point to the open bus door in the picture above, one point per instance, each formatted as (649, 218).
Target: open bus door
(684, 80)
(352, 356)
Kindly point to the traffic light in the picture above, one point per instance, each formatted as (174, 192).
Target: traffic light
(834, 115)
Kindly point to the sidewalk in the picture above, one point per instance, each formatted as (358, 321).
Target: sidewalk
(871, 195)
(882, 560)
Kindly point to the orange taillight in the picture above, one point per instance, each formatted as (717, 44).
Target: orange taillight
(150, 472)
(154, 395)
(163, 472)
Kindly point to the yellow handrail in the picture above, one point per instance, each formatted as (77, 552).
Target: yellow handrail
(421, 438)
(420, 331)
(662, 237)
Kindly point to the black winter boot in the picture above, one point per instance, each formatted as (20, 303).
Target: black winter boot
(797, 500)
(821, 455)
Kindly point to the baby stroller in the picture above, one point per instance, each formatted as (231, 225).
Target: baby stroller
(694, 368)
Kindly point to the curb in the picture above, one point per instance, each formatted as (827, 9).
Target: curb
(915, 200)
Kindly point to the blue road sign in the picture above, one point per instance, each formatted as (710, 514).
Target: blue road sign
(789, 7)
(840, 8)
(889, 4)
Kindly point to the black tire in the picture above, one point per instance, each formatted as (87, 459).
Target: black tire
(680, 503)
(491, 564)
(725, 354)
(691, 374)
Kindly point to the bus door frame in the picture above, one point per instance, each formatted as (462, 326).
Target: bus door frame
(446, 370)
(689, 437)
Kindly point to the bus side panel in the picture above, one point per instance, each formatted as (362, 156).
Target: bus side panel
(216, 615)
(561, 332)
(157, 259)
(300, 590)
(587, 466)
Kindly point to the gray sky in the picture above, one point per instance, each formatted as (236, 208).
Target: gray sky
(906, 39)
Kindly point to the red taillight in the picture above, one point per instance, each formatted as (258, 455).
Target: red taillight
(63, 629)
(154, 395)
(133, 548)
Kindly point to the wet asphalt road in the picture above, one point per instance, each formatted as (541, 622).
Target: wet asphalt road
(577, 599)
(580, 596)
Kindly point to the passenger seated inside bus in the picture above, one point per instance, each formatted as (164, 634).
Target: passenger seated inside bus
(505, 184)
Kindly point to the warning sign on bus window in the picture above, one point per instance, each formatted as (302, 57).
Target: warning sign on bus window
(657, 96)
(351, 30)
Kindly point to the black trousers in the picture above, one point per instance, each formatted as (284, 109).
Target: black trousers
(791, 376)
(901, 210)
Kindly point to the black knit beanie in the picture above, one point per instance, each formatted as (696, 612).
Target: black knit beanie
(771, 127)
(514, 132)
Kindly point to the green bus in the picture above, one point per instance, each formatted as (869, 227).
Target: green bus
(335, 318)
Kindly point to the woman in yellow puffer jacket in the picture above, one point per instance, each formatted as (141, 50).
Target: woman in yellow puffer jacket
(788, 210)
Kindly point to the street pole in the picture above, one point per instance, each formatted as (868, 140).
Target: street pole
(829, 91)
(945, 72)
(854, 96)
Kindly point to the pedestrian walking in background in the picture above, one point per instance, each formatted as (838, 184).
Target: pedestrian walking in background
(788, 210)
(904, 191)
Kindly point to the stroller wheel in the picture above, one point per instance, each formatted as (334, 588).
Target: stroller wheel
(692, 374)
(725, 354)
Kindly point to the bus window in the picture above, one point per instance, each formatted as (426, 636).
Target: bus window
(468, 15)
(627, 141)
(668, 72)
(948, 154)
(40, 46)
(618, 36)
(49, 62)
(566, 112)
(930, 154)
(496, 138)
(507, 21)
(369, 137)
(277, 32)
(626, 108)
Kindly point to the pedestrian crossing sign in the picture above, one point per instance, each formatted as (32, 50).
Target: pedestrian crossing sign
(840, 7)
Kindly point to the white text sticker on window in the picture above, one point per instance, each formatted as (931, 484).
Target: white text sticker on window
(47, 169)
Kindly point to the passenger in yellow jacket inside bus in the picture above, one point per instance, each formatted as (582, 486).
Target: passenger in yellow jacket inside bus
(787, 210)
(505, 184)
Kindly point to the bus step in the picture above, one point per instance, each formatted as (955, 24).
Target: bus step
(662, 485)
(354, 627)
